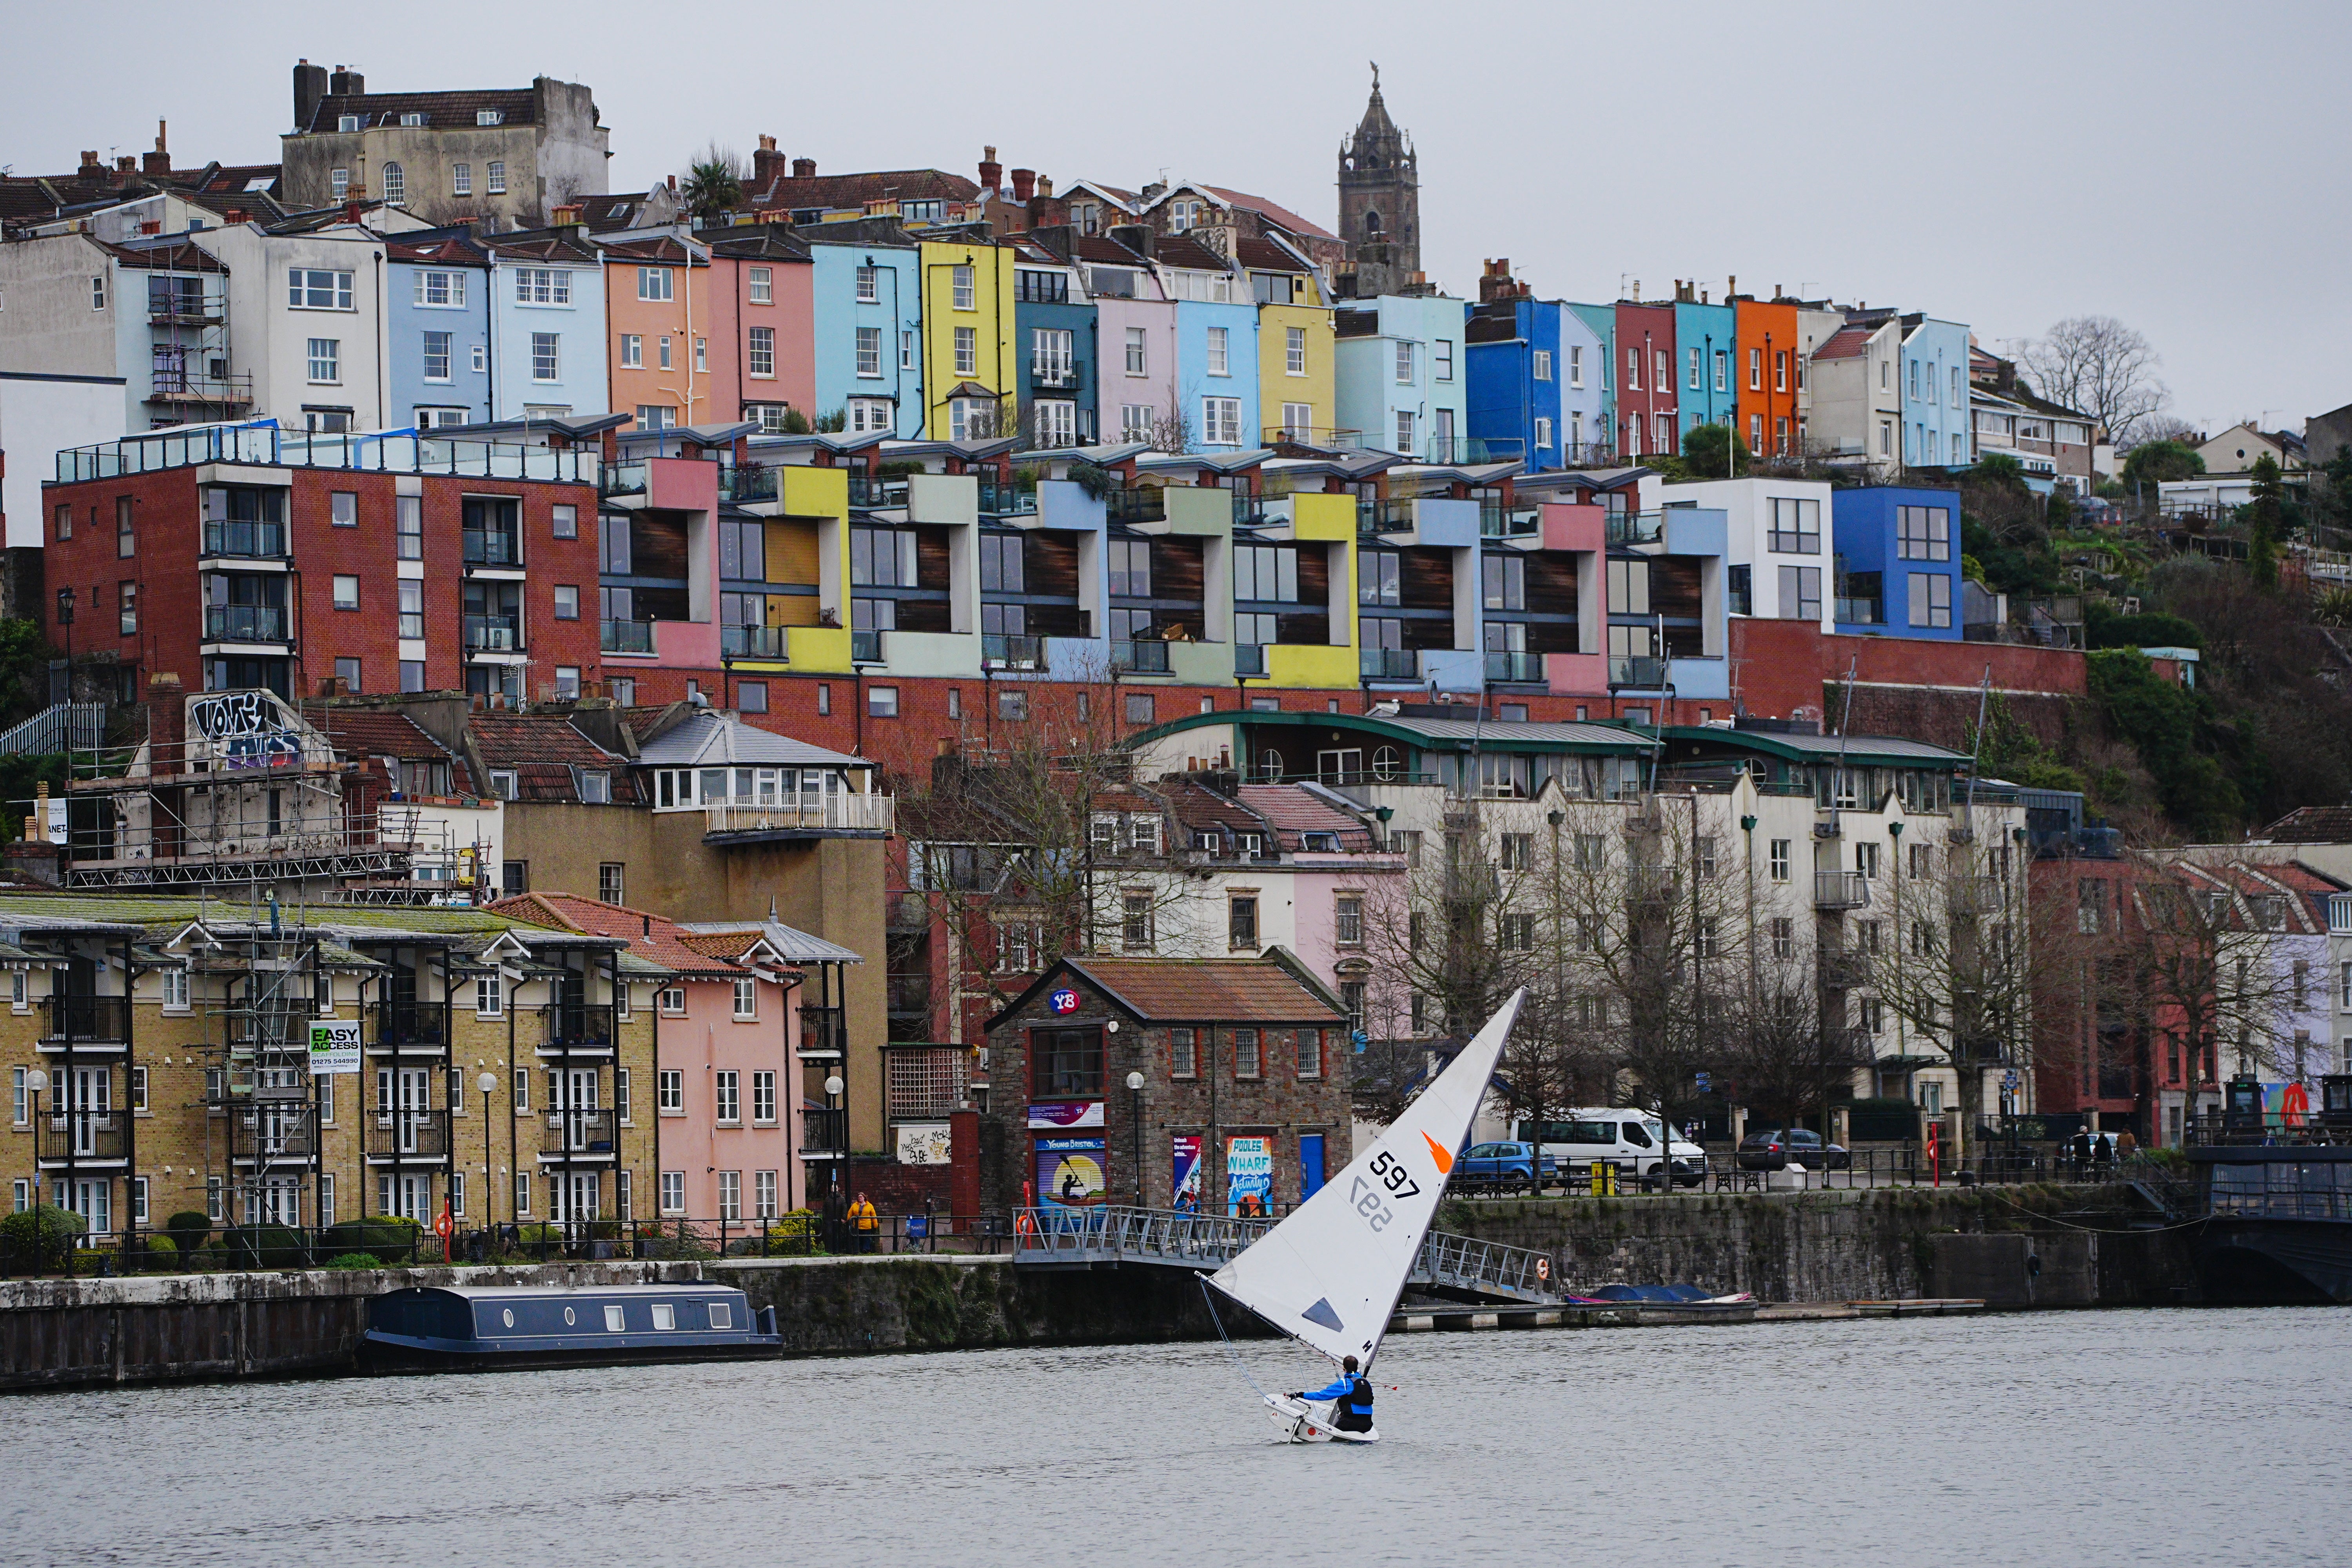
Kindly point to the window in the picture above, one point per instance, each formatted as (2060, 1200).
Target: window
(761, 283)
(542, 285)
(347, 592)
(906, 350)
(1135, 922)
(567, 601)
(440, 290)
(763, 1098)
(1441, 352)
(461, 179)
(325, 359)
(490, 995)
(1220, 343)
(1543, 432)
(882, 701)
(760, 355)
(543, 360)
(1405, 363)
(1135, 420)
(663, 351)
(1012, 705)
(752, 696)
(1923, 532)
(869, 415)
(1779, 859)
(1135, 352)
(1517, 851)
(1694, 370)
(747, 998)
(1248, 1061)
(653, 283)
(701, 356)
(611, 879)
(437, 357)
(669, 1088)
(1539, 364)
(1241, 922)
(1576, 366)
(967, 351)
(966, 296)
(1293, 351)
(1221, 421)
(346, 123)
(763, 1195)
(1796, 526)
(725, 1096)
(1664, 381)
(1801, 592)
(868, 285)
(1404, 431)
(673, 1198)
(340, 180)
(498, 174)
(1931, 599)
(1183, 1054)
(869, 352)
(127, 608)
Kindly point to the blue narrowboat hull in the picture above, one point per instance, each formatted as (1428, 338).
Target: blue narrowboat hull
(385, 1352)
(459, 1328)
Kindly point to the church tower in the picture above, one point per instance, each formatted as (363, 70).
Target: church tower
(1379, 202)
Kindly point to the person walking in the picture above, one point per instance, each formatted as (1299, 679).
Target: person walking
(1353, 1391)
(865, 1221)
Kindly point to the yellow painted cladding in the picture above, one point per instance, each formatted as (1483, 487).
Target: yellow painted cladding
(986, 313)
(1326, 520)
(1278, 383)
(809, 542)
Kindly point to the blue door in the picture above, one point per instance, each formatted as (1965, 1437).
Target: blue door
(1310, 1164)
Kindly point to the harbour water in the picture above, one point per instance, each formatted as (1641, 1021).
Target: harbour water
(2160, 1438)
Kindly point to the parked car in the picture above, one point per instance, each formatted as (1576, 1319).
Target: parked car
(1504, 1167)
(1778, 1147)
(1633, 1141)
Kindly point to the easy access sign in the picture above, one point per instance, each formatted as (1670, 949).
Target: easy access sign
(334, 1047)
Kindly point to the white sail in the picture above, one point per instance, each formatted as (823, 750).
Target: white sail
(1331, 1273)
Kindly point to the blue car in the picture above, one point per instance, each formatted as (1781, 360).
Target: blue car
(1504, 1167)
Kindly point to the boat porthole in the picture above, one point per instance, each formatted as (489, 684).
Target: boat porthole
(509, 1316)
(568, 1317)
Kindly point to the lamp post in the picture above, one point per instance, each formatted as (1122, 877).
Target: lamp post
(37, 1080)
(836, 1194)
(1135, 1113)
(487, 1082)
(64, 619)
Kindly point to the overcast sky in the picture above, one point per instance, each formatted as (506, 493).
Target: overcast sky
(2175, 165)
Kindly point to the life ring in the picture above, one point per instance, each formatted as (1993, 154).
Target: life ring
(1543, 1268)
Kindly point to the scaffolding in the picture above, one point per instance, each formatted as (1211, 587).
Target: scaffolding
(267, 984)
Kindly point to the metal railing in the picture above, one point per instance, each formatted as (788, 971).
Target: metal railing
(741, 482)
(84, 1135)
(1144, 655)
(251, 540)
(244, 622)
(493, 633)
(1388, 664)
(825, 1132)
(1842, 969)
(1841, 891)
(181, 385)
(841, 811)
(1005, 651)
(89, 1018)
(58, 728)
(822, 1030)
(492, 547)
(752, 642)
(579, 1133)
(1977, 895)
(397, 1023)
(592, 1025)
(1514, 665)
(264, 1135)
(1326, 437)
(397, 451)
(1483, 1268)
(625, 636)
(407, 1134)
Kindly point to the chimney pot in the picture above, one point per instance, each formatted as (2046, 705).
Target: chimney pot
(90, 164)
(804, 168)
(1044, 186)
(1731, 286)
(992, 172)
(1024, 184)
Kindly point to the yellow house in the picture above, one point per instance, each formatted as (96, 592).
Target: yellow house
(807, 530)
(1295, 391)
(1327, 523)
(968, 340)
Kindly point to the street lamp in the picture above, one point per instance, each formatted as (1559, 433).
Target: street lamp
(487, 1082)
(37, 1080)
(836, 1194)
(1134, 1111)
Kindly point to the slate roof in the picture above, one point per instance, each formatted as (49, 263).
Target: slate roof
(517, 105)
(793, 945)
(1183, 250)
(1217, 990)
(1267, 257)
(1104, 248)
(543, 244)
(380, 732)
(446, 251)
(541, 750)
(763, 242)
(2311, 824)
(653, 248)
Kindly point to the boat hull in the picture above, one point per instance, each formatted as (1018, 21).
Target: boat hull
(384, 1353)
(1300, 1423)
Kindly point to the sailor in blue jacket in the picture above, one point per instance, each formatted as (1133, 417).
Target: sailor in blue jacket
(1353, 1413)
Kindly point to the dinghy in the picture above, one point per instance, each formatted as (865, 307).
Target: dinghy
(1331, 1273)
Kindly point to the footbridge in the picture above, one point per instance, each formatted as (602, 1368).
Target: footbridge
(1116, 1235)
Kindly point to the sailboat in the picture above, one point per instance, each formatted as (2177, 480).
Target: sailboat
(1331, 1273)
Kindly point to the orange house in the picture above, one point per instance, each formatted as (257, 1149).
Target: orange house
(1771, 362)
(657, 313)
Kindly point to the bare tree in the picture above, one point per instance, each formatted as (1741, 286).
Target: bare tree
(1171, 432)
(2098, 365)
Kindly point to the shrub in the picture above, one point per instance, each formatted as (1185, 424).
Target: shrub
(161, 1251)
(266, 1246)
(41, 1236)
(379, 1236)
(353, 1260)
(189, 1228)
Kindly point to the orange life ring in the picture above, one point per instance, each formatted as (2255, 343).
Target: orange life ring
(1543, 1268)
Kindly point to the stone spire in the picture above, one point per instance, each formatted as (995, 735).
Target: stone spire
(1380, 200)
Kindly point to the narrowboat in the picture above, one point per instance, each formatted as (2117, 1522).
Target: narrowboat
(459, 1328)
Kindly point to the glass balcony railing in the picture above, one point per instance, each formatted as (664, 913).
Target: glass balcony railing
(740, 482)
(1640, 674)
(869, 492)
(1249, 659)
(1007, 501)
(1389, 664)
(1636, 527)
(1149, 504)
(244, 622)
(493, 633)
(492, 547)
(622, 479)
(1514, 665)
(1005, 651)
(751, 642)
(626, 636)
(1861, 612)
(866, 648)
(1145, 656)
(263, 541)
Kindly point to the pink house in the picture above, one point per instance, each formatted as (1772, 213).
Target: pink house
(763, 337)
(725, 1073)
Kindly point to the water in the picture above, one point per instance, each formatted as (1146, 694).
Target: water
(2074, 1438)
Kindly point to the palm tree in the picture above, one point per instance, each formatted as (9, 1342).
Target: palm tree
(713, 182)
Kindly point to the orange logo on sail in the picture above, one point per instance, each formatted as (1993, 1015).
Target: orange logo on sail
(1445, 1161)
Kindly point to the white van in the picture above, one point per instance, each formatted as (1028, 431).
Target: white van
(1634, 1140)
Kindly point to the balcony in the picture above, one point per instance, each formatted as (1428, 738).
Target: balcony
(405, 1026)
(1322, 437)
(493, 633)
(1495, 522)
(250, 540)
(871, 492)
(1977, 896)
(752, 642)
(621, 480)
(744, 483)
(625, 636)
(407, 1134)
(85, 1135)
(910, 996)
(264, 1135)
(824, 1134)
(1861, 612)
(1841, 891)
(165, 386)
(814, 815)
(1384, 516)
(823, 1033)
(1007, 501)
(1471, 882)
(1844, 969)
(89, 1019)
(1055, 375)
(1003, 651)
(865, 647)
(1514, 665)
(1145, 656)
(492, 547)
(1389, 664)
(579, 1133)
(1149, 504)
(244, 623)
(1640, 674)
(580, 1026)
(1635, 527)
(1249, 659)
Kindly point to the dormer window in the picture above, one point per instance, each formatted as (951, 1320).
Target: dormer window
(347, 122)
(1251, 844)
(503, 783)
(490, 117)
(1205, 840)
(412, 117)
(596, 787)
(1319, 843)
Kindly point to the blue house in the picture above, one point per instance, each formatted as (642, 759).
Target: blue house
(1055, 347)
(1534, 369)
(1597, 383)
(1709, 396)
(546, 298)
(1897, 561)
(437, 328)
(867, 310)
(1216, 374)
(1935, 419)
(1397, 377)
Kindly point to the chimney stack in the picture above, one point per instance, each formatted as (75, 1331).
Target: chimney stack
(566, 216)
(90, 167)
(159, 162)
(766, 162)
(1495, 282)
(1044, 186)
(1024, 184)
(992, 172)
(309, 87)
(1730, 286)
(345, 82)
(804, 168)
